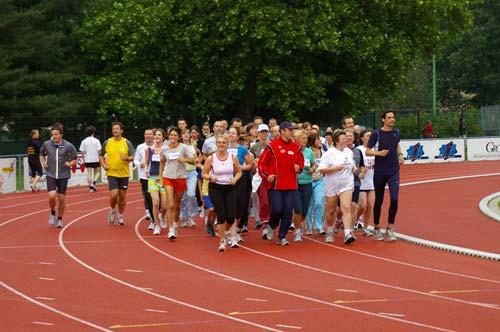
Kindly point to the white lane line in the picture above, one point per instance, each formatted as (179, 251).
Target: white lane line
(163, 297)
(401, 262)
(346, 290)
(62, 313)
(390, 314)
(345, 276)
(45, 278)
(134, 271)
(155, 310)
(289, 326)
(279, 291)
(256, 300)
(44, 298)
(147, 288)
(42, 323)
(46, 263)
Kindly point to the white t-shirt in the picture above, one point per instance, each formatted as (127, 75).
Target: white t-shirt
(173, 168)
(367, 181)
(90, 147)
(334, 157)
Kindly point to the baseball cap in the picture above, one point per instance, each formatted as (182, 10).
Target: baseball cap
(263, 127)
(287, 125)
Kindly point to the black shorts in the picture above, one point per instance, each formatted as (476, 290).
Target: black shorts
(93, 165)
(59, 185)
(35, 168)
(355, 194)
(117, 183)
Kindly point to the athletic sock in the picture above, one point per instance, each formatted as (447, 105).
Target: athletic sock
(347, 232)
(52, 212)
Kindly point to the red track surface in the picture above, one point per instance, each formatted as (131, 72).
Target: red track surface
(186, 285)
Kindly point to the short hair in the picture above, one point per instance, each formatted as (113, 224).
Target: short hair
(58, 128)
(336, 134)
(235, 120)
(297, 134)
(329, 133)
(181, 119)
(223, 136)
(258, 117)
(177, 130)
(117, 123)
(162, 131)
(345, 117)
(364, 131)
(33, 131)
(90, 130)
(250, 126)
(238, 130)
(194, 127)
(384, 113)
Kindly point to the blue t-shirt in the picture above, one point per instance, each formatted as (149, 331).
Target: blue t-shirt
(385, 140)
(241, 151)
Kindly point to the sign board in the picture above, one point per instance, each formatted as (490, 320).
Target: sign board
(7, 175)
(486, 148)
(433, 150)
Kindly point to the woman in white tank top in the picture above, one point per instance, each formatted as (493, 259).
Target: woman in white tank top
(223, 171)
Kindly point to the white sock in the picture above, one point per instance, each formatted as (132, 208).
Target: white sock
(120, 215)
(347, 231)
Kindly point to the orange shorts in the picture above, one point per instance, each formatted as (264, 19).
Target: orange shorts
(179, 185)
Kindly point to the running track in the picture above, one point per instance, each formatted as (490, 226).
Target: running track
(94, 276)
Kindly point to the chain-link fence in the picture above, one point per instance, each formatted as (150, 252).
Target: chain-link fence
(490, 120)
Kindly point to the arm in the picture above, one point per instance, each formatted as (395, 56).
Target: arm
(73, 157)
(138, 161)
(162, 164)
(43, 156)
(206, 170)
(248, 162)
(189, 157)
(266, 159)
(102, 160)
(372, 153)
(299, 162)
(130, 156)
(400, 156)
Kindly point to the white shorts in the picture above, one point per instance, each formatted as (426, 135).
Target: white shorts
(337, 187)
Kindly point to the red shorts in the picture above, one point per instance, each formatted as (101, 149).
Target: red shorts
(179, 185)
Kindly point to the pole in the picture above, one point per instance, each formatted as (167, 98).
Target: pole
(434, 84)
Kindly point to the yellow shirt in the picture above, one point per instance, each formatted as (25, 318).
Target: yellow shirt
(113, 150)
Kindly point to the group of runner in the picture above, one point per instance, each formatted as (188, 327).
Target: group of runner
(287, 176)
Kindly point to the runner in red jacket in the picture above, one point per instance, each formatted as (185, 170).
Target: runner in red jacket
(279, 165)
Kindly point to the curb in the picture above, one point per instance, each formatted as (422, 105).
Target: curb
(448, 247)
(483, 206)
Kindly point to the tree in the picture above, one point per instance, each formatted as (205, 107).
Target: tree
(265, 56)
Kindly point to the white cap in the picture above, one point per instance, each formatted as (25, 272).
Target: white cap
(263, 127)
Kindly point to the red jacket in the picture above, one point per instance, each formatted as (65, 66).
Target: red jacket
(279, 158)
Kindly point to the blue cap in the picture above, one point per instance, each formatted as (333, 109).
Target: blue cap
(287, 125)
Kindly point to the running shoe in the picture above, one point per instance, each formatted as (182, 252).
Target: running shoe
(321, 231)
(239, 238)
(389, 235)
(234, 242)
(121, 222)
(151, 226)
(202, 213)
(377, 235)
(111, 216)
(244, 229)
(60, 223)
(171, 234)
(329, 236)
(268, 233)
(163, 222)
(350, 238)
(52, 220)
(184, 223)
(359, 224)
(222, 246)
(209, 228)
(176, 230)
(283, 242)
(191, 222)
(147, 215)
(367, 232)
(292, 227)
(258, 224)
(338, 225)
(157, 230)
(239, 230)
(298, 236)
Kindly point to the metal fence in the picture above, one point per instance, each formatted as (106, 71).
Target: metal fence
(490, 120)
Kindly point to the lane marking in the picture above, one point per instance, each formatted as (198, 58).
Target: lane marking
(312, 268)
(147, 288)
(401, 262)
(238, 313)
(391, 314)
(156, 310)
(289, 326)
(490, 304)
(279, 291)
(360, 301)
(44, 298)
(62, 313)
(256, 300)
(129, 326)
(134, 271)
(347, 290)
(455, 291)
(42, 323)
(122, 282)
(46, 263)
(48, 279)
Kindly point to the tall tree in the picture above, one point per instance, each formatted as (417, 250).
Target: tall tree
(40, 66)
(244, 56)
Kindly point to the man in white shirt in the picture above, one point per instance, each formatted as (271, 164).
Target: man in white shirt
(140, 163)
(91, 148)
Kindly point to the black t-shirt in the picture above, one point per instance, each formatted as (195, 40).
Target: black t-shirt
(33, 149)
(385, 140)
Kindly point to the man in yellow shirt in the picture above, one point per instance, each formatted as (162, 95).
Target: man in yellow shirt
(116, 154)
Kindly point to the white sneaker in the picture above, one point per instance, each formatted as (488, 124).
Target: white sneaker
(151, 226)
(184, 223)
(389, 233)
(329, 236)
(191, 222)
(163, 222)
(350, 238)
(176, 230)
(157, 230)
(52, 220)
(222, 246)
(284, 242)
(171, 234)
(234, 242)
(111, 216)
(298, 236)
(121, 222)
(202, 213)
(309, 232)
(239, 238)
(268, 233)
(60, 223)
(147, 214)
(227, 237)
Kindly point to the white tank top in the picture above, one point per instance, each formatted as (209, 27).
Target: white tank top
(223, 170)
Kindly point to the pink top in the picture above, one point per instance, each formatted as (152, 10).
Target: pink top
(223, 170)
